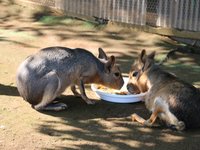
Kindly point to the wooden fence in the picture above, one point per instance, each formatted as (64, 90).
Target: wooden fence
(175, 17)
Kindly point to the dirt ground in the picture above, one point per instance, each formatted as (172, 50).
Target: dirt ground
(23, 31)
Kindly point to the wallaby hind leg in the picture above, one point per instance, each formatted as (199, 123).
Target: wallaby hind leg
(50, 93)
(172, 121)
(162, 109)
(158, 108)
(55, 106)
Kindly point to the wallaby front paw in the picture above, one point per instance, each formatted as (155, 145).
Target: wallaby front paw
(147, 123)
(90, 102)
(87, 100)
(133, 117)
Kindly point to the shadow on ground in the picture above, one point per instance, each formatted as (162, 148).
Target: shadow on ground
(8, 90)
(108, 125)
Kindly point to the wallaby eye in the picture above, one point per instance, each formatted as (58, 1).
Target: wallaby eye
(135, 73)
(117, 74)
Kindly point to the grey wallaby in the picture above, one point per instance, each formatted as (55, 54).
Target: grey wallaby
(44, 76)
(172, 100)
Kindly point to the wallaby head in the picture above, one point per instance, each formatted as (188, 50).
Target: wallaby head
(138, 79)
(111, 75)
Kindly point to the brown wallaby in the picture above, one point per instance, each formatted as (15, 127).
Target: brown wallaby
(44, 76)
(172, 100)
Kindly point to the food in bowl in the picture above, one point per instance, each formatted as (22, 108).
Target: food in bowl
(117, 96)
(111, 91)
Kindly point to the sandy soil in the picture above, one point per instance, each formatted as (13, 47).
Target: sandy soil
(102, 126)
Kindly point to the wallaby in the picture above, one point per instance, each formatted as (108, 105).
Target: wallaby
(44, 76)
(173, 101)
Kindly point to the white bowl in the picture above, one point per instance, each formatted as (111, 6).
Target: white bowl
(130, 98)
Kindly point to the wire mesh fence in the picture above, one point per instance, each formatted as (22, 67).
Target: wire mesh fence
(178, 14)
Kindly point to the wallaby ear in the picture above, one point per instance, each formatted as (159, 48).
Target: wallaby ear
(142, 56)
(110, 64)
(152, 55)
(102, 54)
(146, 59)
(149, 60)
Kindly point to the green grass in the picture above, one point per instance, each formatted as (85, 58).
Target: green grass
(54, 20)
(6, 33)
(180, 66)
(92, 25)
(57, 20)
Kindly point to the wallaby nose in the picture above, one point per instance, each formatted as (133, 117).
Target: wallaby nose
(132, 88)
(128, 86)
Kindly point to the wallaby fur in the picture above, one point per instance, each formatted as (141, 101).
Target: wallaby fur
(172, 100)
(44, 76)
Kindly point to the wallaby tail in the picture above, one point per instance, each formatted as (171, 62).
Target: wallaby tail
(169, 54)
